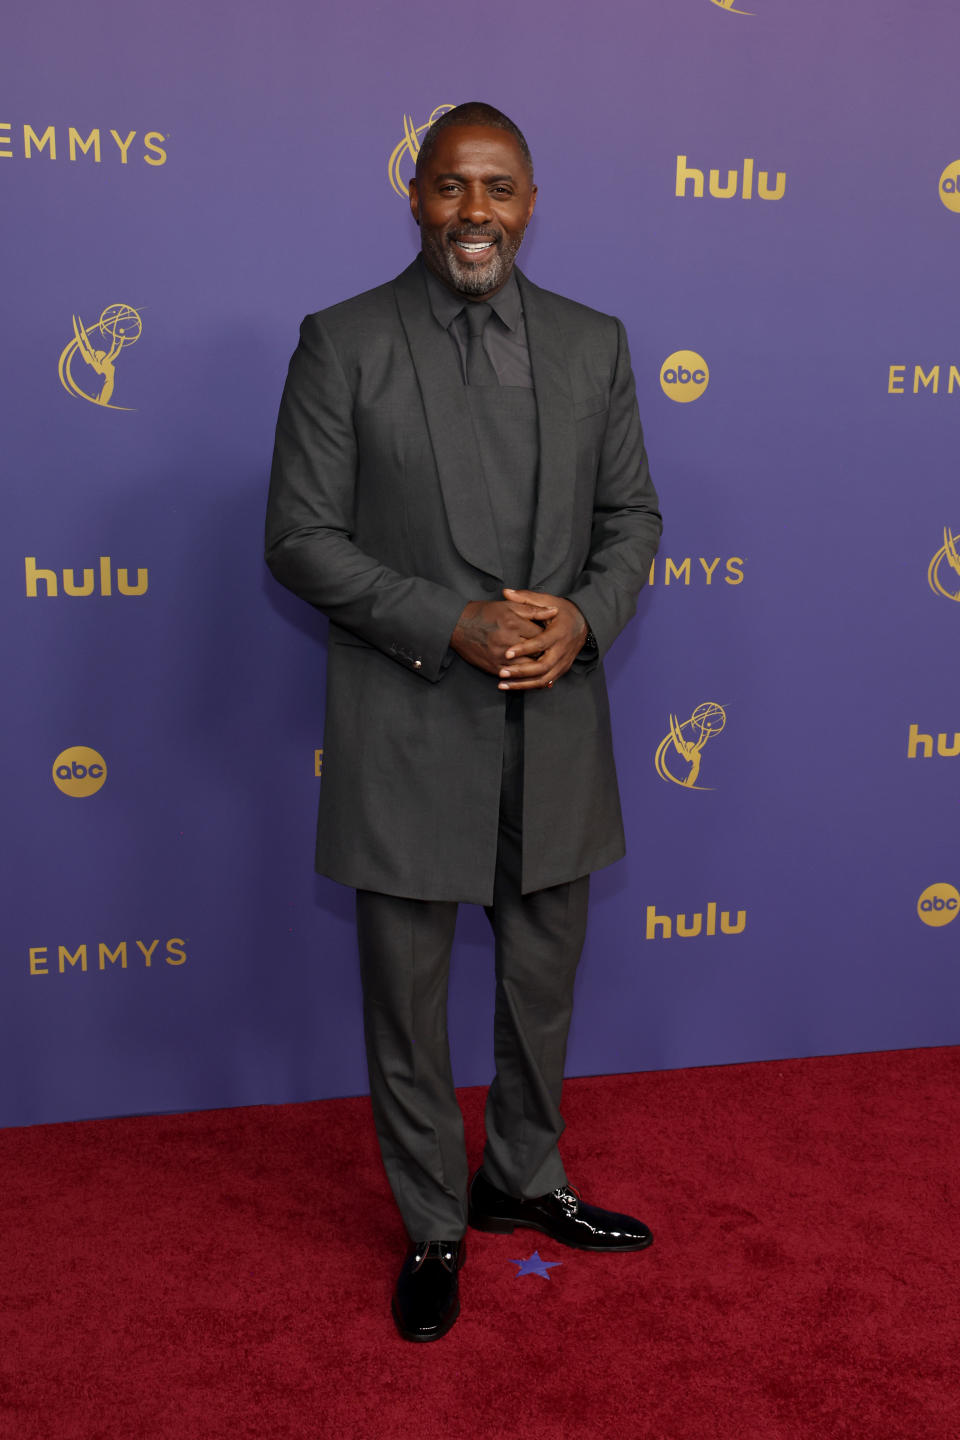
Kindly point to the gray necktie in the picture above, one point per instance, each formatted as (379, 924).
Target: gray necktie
(480, 371)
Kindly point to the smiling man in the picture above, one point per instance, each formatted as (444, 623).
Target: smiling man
(460, 484)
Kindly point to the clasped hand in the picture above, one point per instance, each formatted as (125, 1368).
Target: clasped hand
(528, 639)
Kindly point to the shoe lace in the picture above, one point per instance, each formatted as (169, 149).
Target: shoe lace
(446, 1251)
(569, 1198)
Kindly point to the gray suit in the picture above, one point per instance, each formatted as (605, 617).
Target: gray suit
(376, 516)
(379, 516)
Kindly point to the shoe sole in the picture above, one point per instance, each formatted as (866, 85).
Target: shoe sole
(507, 1227)
(419, 1339)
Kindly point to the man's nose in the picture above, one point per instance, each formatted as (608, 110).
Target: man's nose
(475, 206)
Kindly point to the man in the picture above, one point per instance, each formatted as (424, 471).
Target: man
(460, 484)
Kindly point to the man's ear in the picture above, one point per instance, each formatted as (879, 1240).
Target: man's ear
(533, 202)
(414, 201)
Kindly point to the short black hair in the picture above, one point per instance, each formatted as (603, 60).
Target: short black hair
(472, 112)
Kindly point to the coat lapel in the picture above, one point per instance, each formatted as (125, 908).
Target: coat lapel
(454, 441)
(558, 433)
(451, 428)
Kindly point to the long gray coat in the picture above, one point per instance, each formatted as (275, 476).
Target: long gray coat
(378, 515)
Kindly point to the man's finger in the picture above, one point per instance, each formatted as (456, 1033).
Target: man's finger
(532, 645)
(552, 635)
(541, 682)
(530, 611)
(543, 665)
(530, 597)
(527, 630)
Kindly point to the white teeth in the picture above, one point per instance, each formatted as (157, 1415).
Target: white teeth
(474, 244)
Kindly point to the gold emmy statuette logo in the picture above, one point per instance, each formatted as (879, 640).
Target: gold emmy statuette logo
(729, 5)
(99, 346)
(938, 905)
(687, 740)
(946, 558)
(950, 186)
(79, 771)
(684, 376)
(409, 147)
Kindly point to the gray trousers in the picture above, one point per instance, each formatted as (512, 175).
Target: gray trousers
(404, 960)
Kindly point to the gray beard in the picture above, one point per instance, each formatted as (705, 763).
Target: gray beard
(471, 280)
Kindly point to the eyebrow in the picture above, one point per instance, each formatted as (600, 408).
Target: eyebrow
(488, 179)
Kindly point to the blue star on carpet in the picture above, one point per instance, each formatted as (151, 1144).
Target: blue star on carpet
(533, 1265)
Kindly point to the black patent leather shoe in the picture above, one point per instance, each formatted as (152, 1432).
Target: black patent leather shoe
(426, 1301)
(562, 1215)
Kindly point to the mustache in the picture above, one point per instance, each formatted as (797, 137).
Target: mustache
(469, 235)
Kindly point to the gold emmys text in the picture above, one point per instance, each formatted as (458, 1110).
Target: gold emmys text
(41, 959)
(683, 570)
(922, 379)
(73, 144)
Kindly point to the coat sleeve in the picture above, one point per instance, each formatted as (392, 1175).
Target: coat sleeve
(310, 512)
(626, 517)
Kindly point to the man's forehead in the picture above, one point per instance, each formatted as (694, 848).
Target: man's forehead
(462, 147)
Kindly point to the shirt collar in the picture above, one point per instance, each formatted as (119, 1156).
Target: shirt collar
(447, 304)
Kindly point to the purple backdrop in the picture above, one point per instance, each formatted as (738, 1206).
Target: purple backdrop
(169, 276)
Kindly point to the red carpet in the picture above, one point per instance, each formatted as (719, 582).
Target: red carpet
(227, 1274)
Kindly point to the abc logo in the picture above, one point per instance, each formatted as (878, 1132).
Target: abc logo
(938, 905)
(950, 186)
(79, 771)
(684, 376)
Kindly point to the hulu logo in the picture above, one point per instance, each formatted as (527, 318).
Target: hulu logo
(685, 927)
(737, 185)
(87, 585)
(920, 745)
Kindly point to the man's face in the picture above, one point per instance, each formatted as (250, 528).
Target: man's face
(472, 203)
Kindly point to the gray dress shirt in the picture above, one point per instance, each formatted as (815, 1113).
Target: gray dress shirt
(505, 337)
